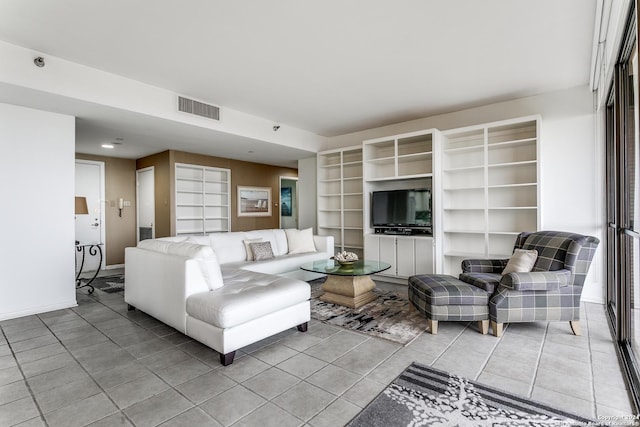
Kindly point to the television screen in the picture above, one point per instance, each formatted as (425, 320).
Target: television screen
(401, 208)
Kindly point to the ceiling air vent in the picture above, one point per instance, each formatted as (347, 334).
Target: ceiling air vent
(198, 108)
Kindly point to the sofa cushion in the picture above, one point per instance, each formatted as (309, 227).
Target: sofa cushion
(522, 261)
(245, 296)
(228, 246)
(261, 251)
(203, 254)
(267, 236)
(200, 240)
(278, 265)
(300, 241)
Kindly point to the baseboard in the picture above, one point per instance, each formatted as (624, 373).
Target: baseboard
(113, 267)
(38, 310)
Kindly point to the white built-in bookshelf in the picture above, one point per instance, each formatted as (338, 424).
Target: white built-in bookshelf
(490, 189)
(203, 199)
(340, 198)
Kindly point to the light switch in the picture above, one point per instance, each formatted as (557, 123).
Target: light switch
(127, 203)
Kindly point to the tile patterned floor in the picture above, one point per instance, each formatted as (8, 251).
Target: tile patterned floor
(98, 364)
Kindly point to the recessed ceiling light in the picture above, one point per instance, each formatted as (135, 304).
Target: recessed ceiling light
(107, 145)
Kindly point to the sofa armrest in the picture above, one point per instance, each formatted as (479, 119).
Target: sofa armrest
(159, 284)
(324, 244)
(494, 266)
(537, 280)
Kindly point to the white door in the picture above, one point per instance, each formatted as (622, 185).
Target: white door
(145, 185)
(89, 181)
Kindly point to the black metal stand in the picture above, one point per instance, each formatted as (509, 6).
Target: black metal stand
(94, 249)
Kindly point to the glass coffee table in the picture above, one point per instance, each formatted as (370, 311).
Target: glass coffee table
(348, 284)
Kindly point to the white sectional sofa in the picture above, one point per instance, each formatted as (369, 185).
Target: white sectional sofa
(207, 288)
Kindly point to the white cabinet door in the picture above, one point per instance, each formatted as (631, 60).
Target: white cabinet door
(371, 247)
(424, 256)
(387, 253)
(406, 254)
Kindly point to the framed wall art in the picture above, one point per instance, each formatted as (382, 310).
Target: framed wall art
(254, 201)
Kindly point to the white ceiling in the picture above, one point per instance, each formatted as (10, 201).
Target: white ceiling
(329, 67)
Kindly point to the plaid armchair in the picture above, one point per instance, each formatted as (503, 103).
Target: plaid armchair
(551, 291)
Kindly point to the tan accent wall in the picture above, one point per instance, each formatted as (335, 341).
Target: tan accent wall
(164, 182)
(120, 182)
(242, 174)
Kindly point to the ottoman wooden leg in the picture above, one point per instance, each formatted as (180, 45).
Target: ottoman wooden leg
(497, 328)
(433, 326)
(483, 325)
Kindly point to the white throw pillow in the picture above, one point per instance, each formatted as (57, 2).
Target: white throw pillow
(247, 247)
(300, 241)
(522, 261)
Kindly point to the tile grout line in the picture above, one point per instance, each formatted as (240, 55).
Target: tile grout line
(537, 369)
(450, 344)
(24, 378)
(493, 349)
(121, 410)
(83, 368)
(593, 378)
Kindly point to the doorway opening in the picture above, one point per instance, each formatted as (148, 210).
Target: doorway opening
(145, 219)
(288, 202)
(90, 227)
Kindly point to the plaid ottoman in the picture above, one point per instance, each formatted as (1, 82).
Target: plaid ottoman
(442, 297)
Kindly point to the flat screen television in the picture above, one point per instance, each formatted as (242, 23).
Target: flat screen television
(401, 208)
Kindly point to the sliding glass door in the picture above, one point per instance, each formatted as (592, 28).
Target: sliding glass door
(623, 207)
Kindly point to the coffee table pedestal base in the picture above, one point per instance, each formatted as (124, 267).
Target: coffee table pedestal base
(350, 291)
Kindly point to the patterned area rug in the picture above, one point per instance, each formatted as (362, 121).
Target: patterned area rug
(386, 317)
(109, 284)
(424, 396)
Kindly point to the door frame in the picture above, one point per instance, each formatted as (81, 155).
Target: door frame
(103, 204)
(153, 196)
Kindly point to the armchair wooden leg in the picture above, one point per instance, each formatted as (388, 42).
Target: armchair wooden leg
(483, 325)
(433, 326)
(303, 327)
(575, 327)
(497, 328)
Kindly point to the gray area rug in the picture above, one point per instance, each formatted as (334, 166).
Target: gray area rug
(424, 396)
(109, 284)
(386, 317)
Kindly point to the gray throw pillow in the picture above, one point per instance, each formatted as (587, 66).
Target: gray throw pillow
(261, 250)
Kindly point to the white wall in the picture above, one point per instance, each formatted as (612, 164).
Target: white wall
(570, 156)
(307, 188)
(37, 192)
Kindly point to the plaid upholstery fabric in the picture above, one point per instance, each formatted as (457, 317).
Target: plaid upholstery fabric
(536, 281)
(441, 297)
(509, 306)
(454, 313)
(521, 297)
(486, 281)
(439, 289)
(484, 265)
